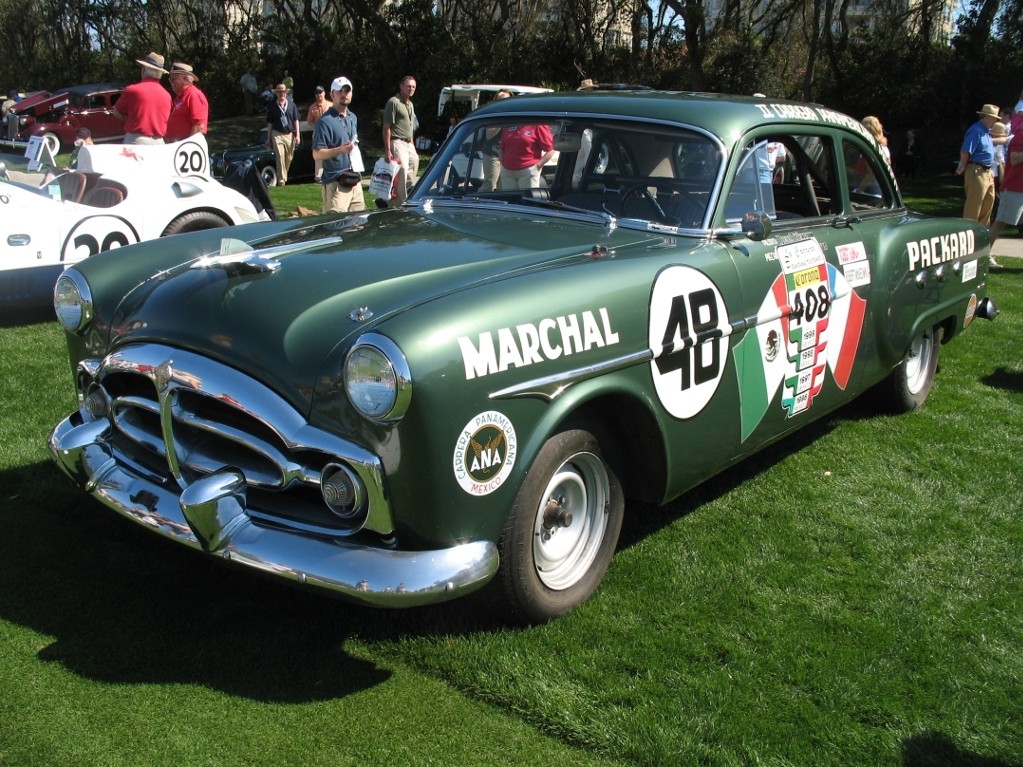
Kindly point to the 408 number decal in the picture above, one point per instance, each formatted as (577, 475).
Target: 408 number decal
(97, 234)
(688, 337)
(811, 304)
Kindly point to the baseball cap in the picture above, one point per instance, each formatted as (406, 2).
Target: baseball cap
(341, 82)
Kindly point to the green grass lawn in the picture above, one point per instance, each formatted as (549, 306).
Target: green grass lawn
(850, 597)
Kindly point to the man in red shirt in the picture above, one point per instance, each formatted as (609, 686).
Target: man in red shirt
(144, 106)
(190, 111)
(525, 149)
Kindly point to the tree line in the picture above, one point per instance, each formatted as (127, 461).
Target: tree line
(902, 68)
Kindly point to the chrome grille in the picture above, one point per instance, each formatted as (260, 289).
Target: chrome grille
(180, 417)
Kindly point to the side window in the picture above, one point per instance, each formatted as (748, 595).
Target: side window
(868, 187)
(753, 188)
(787, 176)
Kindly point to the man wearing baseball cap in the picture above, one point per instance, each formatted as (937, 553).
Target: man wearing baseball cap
(336, 146)
(976, 157)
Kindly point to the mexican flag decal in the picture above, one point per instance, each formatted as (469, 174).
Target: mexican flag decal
(810, 321)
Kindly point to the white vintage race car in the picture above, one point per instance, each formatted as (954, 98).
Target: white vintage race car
(118, 195)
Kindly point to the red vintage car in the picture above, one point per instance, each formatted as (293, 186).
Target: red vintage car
(58, 116)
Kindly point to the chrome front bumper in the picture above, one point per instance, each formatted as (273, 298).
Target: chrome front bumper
(210, 515)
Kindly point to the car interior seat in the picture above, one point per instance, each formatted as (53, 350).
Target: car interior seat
(72, 186)
(103, 197)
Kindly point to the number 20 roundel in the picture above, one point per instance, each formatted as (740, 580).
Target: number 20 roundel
(96, 234)
(689, 331)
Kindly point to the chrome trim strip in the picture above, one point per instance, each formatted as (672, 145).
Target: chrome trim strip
(550, 387)
(210, 516)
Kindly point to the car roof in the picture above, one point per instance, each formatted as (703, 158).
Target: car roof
(458, 92)
(94, 88)
(724, 115)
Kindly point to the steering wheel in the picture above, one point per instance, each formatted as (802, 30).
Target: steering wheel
(643, 192)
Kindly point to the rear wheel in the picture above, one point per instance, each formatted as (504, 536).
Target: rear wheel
(563, 529)
(269, 174)
(909, 384)
(194, 222)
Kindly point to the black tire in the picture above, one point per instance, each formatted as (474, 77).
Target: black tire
(909, 384)
(269, 174)
(550, 562)
(195, 221)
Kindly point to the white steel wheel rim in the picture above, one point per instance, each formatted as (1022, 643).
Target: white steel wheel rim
(563, 553)
(919, 361)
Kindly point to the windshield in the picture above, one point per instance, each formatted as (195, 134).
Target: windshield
(633, 171)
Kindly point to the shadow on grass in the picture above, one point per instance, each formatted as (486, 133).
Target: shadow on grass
(1006, 265)
(934, 749)
(644, 519)
(1009, 380)
(32, 315)
(126, 607)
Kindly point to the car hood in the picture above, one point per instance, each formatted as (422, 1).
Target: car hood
(277, 312)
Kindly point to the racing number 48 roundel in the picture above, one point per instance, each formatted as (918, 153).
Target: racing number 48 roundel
(689, 332)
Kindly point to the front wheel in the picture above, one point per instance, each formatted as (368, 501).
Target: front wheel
(562, 530)
(196, 221)
(910, 383)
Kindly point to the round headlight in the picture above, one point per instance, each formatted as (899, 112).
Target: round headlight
(377, 378)
(72, 301)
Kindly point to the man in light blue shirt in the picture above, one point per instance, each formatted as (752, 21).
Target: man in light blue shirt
(976, 157)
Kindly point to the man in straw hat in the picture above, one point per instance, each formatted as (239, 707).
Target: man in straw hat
(283, 135)
(190, 112)
(144, 106)
(975, 160)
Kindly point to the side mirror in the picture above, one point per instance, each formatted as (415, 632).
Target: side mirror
(756, 226)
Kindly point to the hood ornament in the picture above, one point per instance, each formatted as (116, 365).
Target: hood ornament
(361, 314)
(239, 257)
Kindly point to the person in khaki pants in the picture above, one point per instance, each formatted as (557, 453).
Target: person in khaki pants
(283, 136)
(976, 157)
(336, 146)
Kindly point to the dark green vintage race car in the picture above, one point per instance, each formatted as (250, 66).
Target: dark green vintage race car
(398, 406)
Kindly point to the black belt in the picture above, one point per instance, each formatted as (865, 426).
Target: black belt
(985, 167)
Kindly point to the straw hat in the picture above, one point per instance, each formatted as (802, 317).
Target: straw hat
(988, 110)
(154, 60)
(179, 68)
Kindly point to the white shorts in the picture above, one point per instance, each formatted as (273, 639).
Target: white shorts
(1010, 208)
